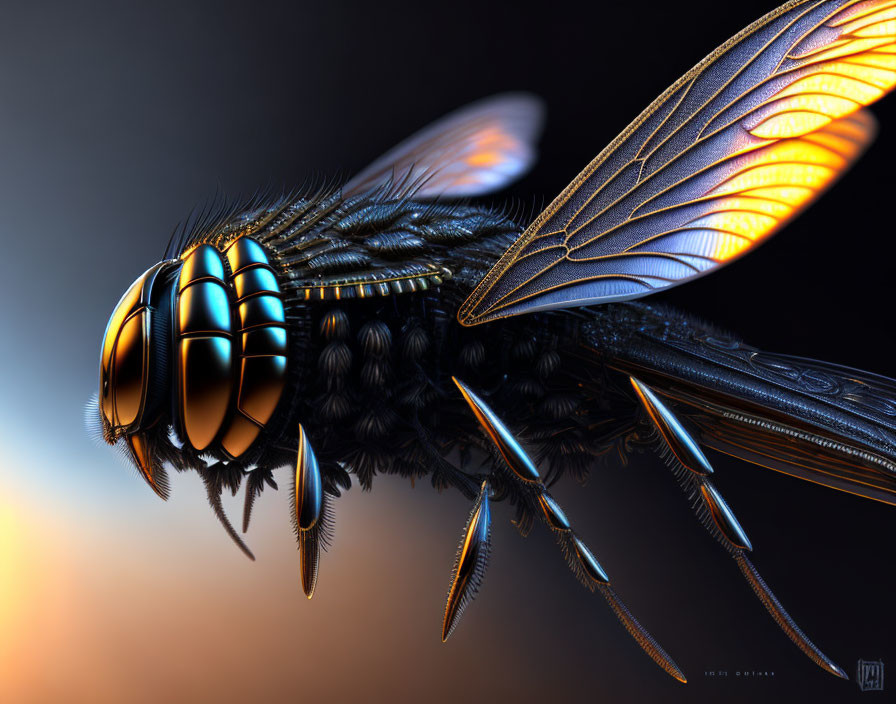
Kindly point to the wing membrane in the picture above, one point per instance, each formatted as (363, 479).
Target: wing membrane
(720, 161)
(476, 150)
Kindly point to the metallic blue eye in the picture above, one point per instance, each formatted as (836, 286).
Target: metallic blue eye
(261, 310)
(204, 307)
(255, 280)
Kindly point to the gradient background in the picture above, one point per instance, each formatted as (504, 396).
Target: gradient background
(115, 121)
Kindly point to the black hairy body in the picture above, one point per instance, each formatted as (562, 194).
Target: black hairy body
(370, 378)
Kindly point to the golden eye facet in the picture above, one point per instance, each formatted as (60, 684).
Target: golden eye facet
(125, 355)
(130, 367)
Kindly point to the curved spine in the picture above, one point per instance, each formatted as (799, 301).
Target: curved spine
(782, 618)
(148, 467)
(723, 516)
(470, 563)
(507, 445)
(309, 551)
(254, 486)
(212, 478)
(681, 444)
(639, 633)
(307, 510)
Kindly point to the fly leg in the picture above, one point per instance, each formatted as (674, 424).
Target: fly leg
(692, 469)
(516, 470)
(470, 563)
(309, 507)
(310, 513)
(255, 483)
(216, 477)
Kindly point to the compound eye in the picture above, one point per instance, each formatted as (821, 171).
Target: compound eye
(130, 368)
(124, 358)
(129, 301)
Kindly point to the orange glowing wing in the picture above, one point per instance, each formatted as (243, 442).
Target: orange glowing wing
(475, 150)
(744, 141)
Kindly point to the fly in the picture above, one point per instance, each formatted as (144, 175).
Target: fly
(392, 326)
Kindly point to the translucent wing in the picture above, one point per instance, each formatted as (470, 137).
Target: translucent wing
(740, 144)
(476, 150)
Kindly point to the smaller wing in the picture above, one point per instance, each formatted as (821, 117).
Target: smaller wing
(478, 149)
(820, 422)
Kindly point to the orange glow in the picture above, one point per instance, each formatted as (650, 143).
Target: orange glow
(804, 174)
(884, 58)
(831, 106)
(789, 124)
(775, 181)
(15, 569)
(832, 142)
(821, 91)
(143, 602)
(881, 29)
(764, 206)
(728, 246)
(864, 13)
(34, 583)
(750, 225)
(792, 195)
(855, 69)
(485, 159)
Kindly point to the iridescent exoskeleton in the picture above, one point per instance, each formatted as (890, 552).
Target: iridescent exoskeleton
(339, 332)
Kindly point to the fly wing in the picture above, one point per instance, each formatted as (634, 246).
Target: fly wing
(817, 421)
(476, 150)
(853, 410)
(743, 142)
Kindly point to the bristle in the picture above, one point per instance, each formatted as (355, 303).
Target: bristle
(213, 488)
(470, 562)
(375, 338)
(414, 342)
(334, 325)
(93, 422)
(640, 634)
(782, 618)
(309, 560)
(255, 481)
(258, 213)
(335, 360)
(690, 484)
(311, 542)
(248, 504)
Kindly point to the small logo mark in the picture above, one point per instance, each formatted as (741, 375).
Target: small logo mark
(870, 675)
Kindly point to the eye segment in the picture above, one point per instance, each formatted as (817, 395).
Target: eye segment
(130, 367)
(125, 355)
